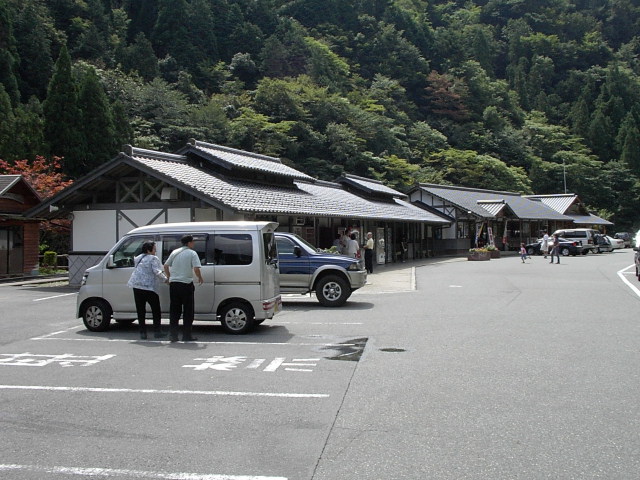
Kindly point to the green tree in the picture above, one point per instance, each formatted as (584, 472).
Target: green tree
(97, 125)
(62, 117)
(7, 125)
(8, 54)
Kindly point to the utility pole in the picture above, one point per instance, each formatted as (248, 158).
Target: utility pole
(564, 176)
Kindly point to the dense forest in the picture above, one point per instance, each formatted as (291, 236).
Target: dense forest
(531, 96)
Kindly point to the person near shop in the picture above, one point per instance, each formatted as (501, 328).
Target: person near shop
(180, 268)
(337, 242)
(353, 249)
(368, 252)
(144, 281)
(344, 243)
(555, 249)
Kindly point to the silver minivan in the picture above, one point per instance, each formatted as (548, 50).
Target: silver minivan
(239, 266)
(586, 237)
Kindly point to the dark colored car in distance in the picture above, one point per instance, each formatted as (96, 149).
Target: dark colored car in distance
(567, 247)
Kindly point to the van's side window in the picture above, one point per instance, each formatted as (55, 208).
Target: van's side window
(230, 249)
(128, 250)
(171, 242)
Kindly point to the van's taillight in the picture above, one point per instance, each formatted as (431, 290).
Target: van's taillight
(84, 278)
(268, 305)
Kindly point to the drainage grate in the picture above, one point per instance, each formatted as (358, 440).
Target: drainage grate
(392, 350)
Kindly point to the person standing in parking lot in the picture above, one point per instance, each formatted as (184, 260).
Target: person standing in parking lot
(544, 246)
(555, 249)
(180, 268)
(368, 252)
(147, 271)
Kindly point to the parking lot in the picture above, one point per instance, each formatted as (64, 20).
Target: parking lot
(436, 369)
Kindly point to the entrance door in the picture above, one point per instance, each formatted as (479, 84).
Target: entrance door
(11, 250)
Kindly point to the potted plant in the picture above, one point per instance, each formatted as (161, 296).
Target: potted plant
(493, 251)
(478, 254)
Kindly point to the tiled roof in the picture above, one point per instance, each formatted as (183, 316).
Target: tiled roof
(7, 181)
(231, 158)
(368, 185)
(493, 207)
(467, 199)
(304, 198)
(560, 203)
(588, 220)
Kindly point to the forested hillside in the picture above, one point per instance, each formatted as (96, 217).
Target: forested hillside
(501, 94)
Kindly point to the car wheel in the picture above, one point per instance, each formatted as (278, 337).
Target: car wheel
(531, 251)
(96, 315)
(237, 318)
(564, 251)
(332, 291)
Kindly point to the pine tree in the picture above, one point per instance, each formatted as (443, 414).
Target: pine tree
(62, 117)
(33, 38)
(628, 143)
(7, 124)
(8, 55)
(97, 124)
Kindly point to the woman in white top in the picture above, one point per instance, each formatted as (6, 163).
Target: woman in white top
(353, 247)
(143, 281)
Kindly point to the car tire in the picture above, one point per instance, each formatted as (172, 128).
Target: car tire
(96, 315)
(237, 318)
(531, 251)
(564, 251)
(332, 291)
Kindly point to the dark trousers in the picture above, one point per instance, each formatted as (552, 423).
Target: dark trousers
(142, 297)
(181, 302)
(368, 260)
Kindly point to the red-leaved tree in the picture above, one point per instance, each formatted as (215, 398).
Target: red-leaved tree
(47, 179)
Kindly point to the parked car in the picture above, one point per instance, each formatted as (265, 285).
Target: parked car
(626, 237)
(304, 269)
(583, 236)
(602, 243)
(239, 266)
(616, 243)
(567, 247)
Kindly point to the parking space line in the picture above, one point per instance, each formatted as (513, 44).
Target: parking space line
(54, 296)
(165, 392)
(622, 273)
(199, 342)
(114, 472)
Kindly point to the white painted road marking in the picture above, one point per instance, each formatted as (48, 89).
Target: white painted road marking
(622, 273)
(113, 472)
(54, 296)
(36, 360)
(169, 392)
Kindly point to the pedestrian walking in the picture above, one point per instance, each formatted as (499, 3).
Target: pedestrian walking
(180, 268)
(144, 281)
(544, 246)
(368, 252)
(555, 249)
(523, 252)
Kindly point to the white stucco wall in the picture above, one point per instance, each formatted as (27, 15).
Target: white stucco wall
(98, 230)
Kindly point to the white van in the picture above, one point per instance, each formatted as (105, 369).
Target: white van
(586, 237)
(239, 267)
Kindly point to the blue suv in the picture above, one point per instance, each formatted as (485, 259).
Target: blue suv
(304, 269)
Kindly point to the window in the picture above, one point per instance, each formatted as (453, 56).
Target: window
(171, 242)
(285, 245)
(230, 249)
(128, 250)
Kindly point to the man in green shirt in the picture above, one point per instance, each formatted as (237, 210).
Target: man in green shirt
(180, 268)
